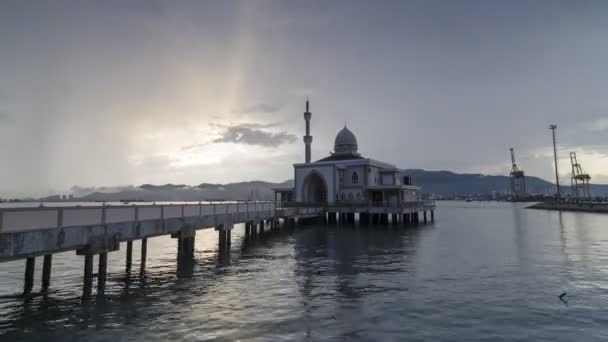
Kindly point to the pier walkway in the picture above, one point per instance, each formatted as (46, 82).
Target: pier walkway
(30, 232)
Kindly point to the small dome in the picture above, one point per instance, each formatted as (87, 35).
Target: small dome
(346, 142)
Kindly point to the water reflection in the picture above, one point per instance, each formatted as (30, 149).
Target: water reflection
(497, 269)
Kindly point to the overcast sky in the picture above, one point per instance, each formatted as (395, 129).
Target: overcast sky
(99, 93)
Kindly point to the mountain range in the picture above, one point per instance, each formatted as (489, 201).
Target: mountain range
(432, 182)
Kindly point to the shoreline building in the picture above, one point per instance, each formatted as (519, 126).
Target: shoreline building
(345, 176)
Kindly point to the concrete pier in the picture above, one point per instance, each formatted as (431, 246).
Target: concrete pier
(97, 230)
(432, 216)
(102, 273)
(46, 271)
(28, 282)
(424, 216)
(88, 277)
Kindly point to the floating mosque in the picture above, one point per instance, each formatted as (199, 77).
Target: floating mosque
(347, 176)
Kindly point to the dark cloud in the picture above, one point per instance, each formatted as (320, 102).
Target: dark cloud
(251, 134)
(261, 108)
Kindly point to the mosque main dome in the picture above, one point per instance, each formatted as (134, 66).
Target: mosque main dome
(346, 142)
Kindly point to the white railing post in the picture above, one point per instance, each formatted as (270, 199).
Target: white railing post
(59, 218)
(103, 215)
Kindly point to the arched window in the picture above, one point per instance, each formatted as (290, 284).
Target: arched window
(355, 178)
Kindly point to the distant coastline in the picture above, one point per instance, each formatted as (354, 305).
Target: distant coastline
(584, 207)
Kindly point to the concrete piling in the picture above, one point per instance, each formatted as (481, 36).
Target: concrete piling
(28, 282)
(222, 240)
(424, 216)
(129, 255)
(432, 216)
(88, 277)
(46, 271)
(102, 273)
(144, 254)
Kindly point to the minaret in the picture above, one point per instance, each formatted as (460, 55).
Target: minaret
(307, 137)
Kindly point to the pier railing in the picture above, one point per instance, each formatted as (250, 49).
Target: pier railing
(52, 217)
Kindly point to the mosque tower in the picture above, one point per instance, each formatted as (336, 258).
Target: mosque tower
(307, 137)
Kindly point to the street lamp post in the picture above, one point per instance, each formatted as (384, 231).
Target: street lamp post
(552, 128)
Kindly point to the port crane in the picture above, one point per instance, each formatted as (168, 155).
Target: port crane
(579, 182)
(517, 178)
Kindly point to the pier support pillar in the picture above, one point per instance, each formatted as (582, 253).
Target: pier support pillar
(129, 255)
(224, 237)
(28, 281)
(185, 251)
(102, 273)
(424, 216)
(432, 216)
(261, 227)
(88, 277)
(363, 218)
(383, 218)
(221, 239)
(144, 254)
(46, 271)
(331, 217)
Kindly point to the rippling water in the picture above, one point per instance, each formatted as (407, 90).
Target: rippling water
(488, 271)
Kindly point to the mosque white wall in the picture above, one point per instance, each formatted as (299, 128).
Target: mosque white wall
(373, 176)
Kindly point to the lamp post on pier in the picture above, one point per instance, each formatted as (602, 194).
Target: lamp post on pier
(552, 128)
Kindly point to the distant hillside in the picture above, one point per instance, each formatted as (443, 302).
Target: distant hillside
(436, 182)
(254, 190)
(447, 182)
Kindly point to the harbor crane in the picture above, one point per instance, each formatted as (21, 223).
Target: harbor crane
(580, 180)
(517, 178)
